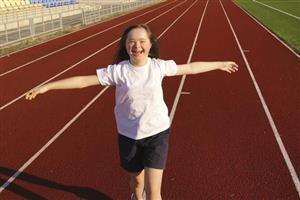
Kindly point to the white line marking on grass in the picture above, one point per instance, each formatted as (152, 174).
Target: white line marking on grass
(275, 36)
(179, 91)
(76, 64)
(281, 11)
(79, 41)
(283, 1)
(286, 157)
(60, 132)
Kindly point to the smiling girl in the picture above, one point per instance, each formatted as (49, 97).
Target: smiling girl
(140, 111)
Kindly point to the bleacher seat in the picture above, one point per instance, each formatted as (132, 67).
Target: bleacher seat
(7, 6)
(16, 5)
(54, 3)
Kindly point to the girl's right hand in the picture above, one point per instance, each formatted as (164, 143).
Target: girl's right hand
(34, 92)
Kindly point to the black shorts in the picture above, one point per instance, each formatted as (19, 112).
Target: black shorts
(149, 152)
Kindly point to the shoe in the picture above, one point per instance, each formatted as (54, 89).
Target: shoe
(132, 197)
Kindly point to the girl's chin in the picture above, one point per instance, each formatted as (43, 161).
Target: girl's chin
(138, 57)
(138, 60)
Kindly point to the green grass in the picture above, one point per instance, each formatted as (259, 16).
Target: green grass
(284, 26)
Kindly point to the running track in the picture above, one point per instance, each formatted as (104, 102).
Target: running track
(223, 139)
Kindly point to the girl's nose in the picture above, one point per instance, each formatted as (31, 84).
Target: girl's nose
(137, 44)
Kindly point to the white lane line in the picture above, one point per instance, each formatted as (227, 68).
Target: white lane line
(276, 9)
(60, 132)
(79, 41)
(185, 93)
(76, 64)
(179, 91)
(286, 157)
(177, 18)
(37, 154)
(275, 36)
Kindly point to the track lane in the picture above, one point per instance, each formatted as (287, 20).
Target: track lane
(157, 26)
(271, 59)
(275, 131)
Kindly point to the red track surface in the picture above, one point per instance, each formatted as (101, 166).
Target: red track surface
(222, 144)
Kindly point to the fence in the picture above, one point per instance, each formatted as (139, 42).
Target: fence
(27, 24)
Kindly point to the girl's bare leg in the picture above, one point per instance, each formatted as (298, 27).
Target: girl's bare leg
(137, 184)
(153, 181)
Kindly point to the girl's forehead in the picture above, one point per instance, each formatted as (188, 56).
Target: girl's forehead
(137, 33)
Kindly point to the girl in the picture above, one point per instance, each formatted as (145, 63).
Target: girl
(140, 111)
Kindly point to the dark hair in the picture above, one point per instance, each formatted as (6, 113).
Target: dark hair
(122, 52)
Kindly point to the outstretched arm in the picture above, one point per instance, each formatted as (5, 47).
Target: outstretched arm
(76, 82)
(201, 67)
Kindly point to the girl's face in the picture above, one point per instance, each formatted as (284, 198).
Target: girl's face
(138, 46)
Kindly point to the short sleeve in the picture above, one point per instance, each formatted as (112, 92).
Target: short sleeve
(168, 67)
(107, 76)
(171, 68)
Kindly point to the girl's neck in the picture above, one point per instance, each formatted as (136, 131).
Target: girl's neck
(138, 63)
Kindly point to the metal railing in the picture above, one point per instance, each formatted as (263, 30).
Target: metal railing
(20, 26)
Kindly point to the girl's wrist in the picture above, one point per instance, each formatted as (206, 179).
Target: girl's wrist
(45, 88)
(222, 65)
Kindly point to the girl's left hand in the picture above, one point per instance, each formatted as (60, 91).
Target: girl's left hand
(229, 67)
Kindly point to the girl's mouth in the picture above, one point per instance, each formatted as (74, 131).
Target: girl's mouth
(136, 52)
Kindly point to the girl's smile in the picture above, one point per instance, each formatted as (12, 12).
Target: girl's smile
(136, 52)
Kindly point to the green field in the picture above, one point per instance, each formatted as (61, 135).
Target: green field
(284, 25)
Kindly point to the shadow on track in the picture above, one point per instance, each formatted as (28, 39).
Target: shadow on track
(81, 192)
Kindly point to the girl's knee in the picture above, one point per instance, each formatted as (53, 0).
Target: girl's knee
(136, 183)
(137, 180)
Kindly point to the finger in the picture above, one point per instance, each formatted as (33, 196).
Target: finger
(27, 96)
(233, 68)
(31, 95)
(233, 64)
(228, 70)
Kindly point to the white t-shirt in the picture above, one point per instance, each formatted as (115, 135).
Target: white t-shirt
(140, 109)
